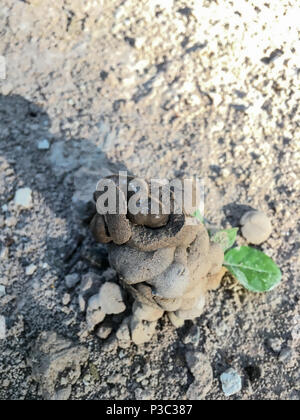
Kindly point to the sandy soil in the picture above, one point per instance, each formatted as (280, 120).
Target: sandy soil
(169, 88)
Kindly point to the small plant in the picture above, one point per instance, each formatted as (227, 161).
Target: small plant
(225, 237)
(252, 268)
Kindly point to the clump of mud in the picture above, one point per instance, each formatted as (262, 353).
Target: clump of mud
(165, 261)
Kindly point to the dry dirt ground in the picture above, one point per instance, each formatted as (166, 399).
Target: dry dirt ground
(169, 88)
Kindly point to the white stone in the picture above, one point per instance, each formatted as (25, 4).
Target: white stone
(103, 332)
(23, 198)
(256, 227)
(72, 280)
(145, 312)
(225, 173)
(63, 394)
(66, 299)
(4, 253)
(217, 98)
(81, 303)
(93, 318)
(231, 382)
(123, 333)
(93, 303)
(141, 331)
(30, 269)
(139, 42)
(11, 222)
(2, 290)
(2, 327)
(43, 144)
(110, 299)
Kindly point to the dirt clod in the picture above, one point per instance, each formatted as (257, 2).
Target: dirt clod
(256, 227)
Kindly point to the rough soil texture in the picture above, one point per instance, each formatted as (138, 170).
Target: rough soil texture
(170, 88)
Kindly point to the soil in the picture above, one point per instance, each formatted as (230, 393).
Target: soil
(170, 89)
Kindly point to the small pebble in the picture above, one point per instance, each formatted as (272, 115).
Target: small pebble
(285, 355)
(2, 291)
(296, 330)
(11, 222)
(6, 383)
(81, 302)
(23, 198)
(275, 344)
(63, 394)
(2, 327)
(93, 318)
(72, 280)
(103, 332)
(256, 227)
(110, 299)
(93, 303)
(142, 395)
(43, 144)
(225, 173)
(3, 253)
(231, 382)
(123, 333)
(122, 354)
(66, 299)
(30, 269)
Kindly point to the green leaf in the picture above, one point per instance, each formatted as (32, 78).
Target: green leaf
(198, 216)
(226, 237)
(253, 269)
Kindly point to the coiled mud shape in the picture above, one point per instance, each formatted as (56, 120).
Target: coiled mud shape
(166, 263)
